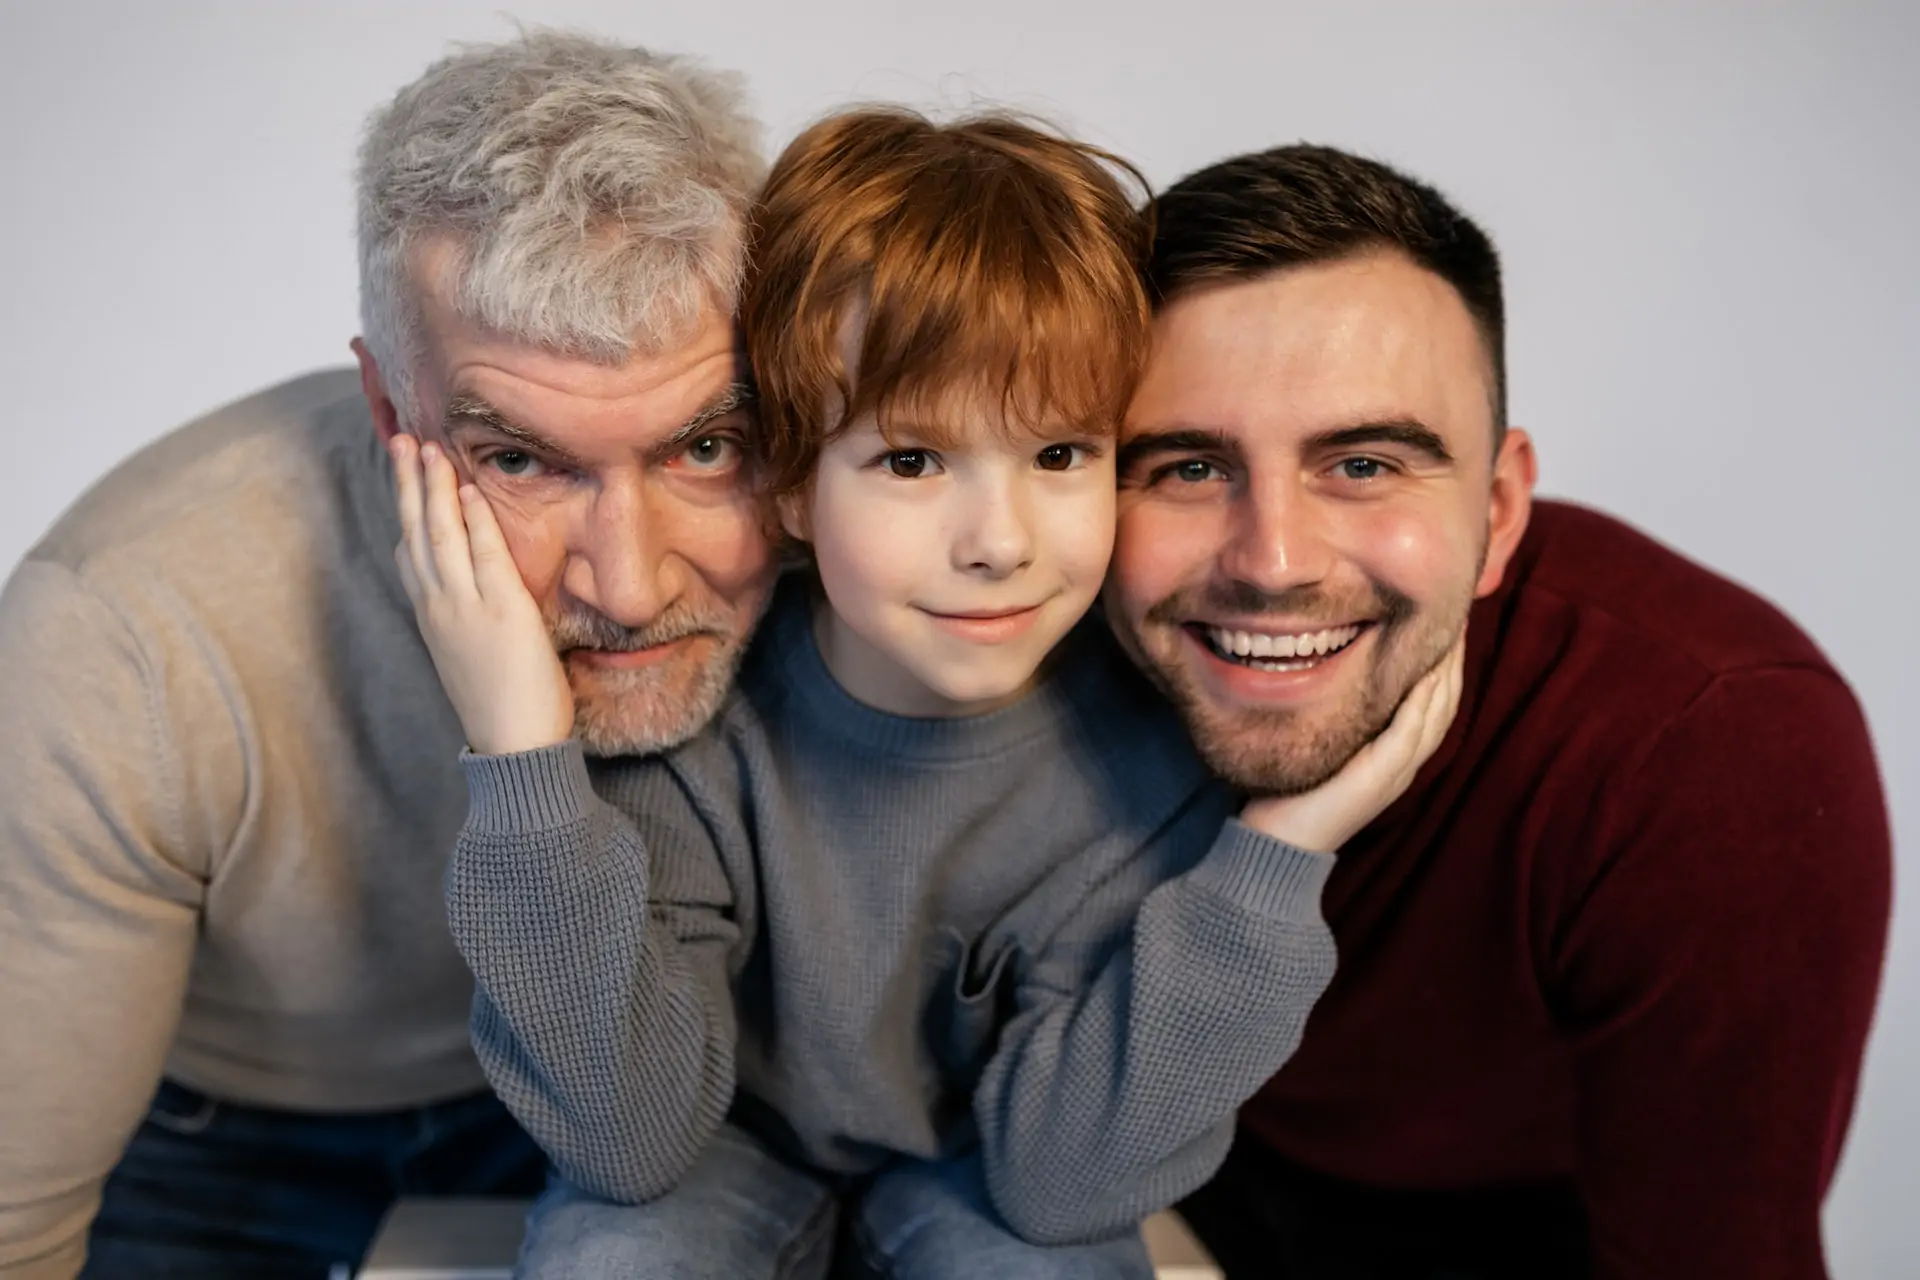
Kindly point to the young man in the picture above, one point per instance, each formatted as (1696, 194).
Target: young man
(1607, 968)
(872, 940)
(228, 784)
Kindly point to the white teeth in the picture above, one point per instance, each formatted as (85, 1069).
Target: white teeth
(1313, 644)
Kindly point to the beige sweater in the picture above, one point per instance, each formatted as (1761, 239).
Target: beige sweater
(229, 785)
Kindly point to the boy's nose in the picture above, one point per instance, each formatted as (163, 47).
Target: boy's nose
(997, 537)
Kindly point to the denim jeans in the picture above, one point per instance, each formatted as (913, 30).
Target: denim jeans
(209, 1190)
(929, 1221)
(743, 1213)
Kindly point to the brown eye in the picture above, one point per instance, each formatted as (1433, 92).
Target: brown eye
(908, 464)
(1055, 457)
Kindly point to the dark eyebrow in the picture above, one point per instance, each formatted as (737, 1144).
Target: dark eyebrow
(470, 410)
(737, 395)
(1404, 432)
(1174, 440)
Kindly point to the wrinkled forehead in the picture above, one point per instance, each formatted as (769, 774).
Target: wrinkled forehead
(589, 409)
(1309, 349)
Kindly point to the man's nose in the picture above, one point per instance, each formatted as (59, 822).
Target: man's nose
(617, 562)
(995, 534)
(1277, 539)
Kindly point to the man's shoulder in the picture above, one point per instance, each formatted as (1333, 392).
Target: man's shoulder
(1620, 672)
(1661, 608)
(247, 480)
(243, 559)
(1606, 650)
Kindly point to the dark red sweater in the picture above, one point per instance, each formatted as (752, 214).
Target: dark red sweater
(1625, 929)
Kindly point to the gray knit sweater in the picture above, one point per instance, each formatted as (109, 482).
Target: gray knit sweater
(872, 936)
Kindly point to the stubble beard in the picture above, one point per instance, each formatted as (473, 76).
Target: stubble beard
(1281, 752)
(653, 708)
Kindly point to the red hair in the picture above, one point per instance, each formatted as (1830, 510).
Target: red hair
(985, 258)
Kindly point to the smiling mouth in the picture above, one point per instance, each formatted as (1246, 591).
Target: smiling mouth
(987, 628)
(1276, 650)
(992, 616)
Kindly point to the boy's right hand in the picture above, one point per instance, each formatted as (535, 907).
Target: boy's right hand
(488, 640)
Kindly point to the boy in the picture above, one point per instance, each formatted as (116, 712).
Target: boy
(942, 919)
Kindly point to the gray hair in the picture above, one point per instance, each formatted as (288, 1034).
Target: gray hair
(594, 198)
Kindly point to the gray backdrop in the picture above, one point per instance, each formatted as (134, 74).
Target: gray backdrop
(1706, 212)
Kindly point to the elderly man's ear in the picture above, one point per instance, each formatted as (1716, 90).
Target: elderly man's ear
(386, 418)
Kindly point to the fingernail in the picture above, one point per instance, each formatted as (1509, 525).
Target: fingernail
(429, 451)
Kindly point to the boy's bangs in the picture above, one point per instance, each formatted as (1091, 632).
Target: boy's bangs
(948, 280)
(990, 301)
(1026, 379)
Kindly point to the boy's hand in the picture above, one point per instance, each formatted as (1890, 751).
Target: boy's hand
(483, 629)
(1334, 812)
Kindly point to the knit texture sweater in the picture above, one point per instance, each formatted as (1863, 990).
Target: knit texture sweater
(870, 937)
(1624, 931)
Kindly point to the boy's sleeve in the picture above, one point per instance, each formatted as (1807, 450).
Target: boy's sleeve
(1145, 1023)
(1719, 979)
(603, 1013)
(101, 880)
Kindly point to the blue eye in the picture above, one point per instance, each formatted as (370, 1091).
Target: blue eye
(1362, 468)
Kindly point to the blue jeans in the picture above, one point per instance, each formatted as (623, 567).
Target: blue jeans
(210, 1191)
(743, 1213)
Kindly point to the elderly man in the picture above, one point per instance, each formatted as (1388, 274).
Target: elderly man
(231, 779)
(1606, 969)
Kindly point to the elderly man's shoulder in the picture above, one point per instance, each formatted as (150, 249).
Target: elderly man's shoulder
(267, 478)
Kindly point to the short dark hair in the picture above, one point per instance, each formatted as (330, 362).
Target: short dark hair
(1298, 205)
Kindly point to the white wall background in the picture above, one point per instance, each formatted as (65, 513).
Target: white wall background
(1706, 211)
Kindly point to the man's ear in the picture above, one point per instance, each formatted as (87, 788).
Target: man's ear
(386, 418)
(1509, 506)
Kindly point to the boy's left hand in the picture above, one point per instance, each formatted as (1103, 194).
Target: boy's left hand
(1323, 819)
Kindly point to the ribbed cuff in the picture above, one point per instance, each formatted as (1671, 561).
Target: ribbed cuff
(527, 790)
(1264, 875)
